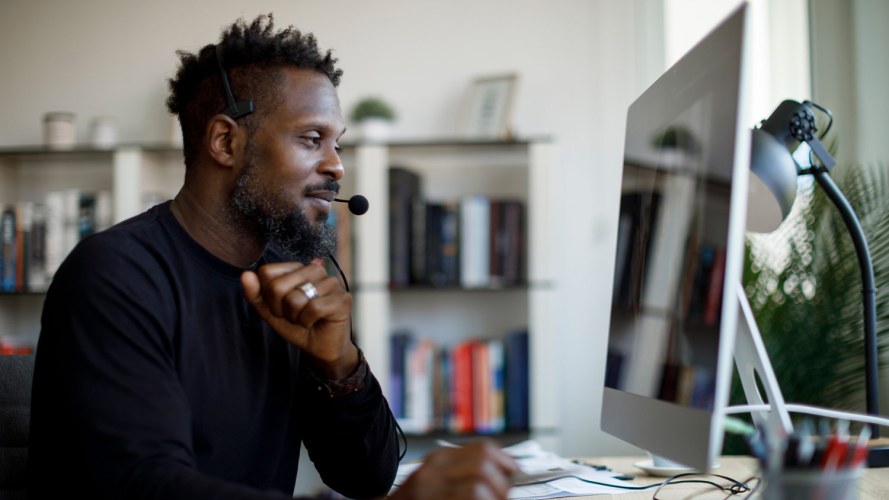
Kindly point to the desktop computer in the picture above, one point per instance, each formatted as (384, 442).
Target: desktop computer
(679, 252)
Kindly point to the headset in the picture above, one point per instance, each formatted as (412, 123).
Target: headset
(234, 110)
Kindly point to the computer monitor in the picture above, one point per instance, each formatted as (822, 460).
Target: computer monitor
(679, 252)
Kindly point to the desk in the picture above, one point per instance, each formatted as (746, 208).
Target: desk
(874, 484)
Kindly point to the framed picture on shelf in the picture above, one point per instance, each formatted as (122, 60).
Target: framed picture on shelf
(488, 107)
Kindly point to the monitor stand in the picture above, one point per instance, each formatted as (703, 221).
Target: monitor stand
(773, 416)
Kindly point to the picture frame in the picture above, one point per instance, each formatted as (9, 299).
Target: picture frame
(488, 108)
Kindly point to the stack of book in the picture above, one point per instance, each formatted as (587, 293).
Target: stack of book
(476, 386)
(472, 242)
(36, 236)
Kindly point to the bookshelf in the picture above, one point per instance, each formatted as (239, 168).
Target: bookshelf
(452, 313)
(137, 176)
(127, 177)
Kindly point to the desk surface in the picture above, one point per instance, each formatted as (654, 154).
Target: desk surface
(874, 484)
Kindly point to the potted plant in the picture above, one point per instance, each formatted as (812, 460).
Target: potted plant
(374, 118)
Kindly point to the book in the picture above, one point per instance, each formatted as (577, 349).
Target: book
(419, 257)
(418, 388)
(481, 388)
(24, 215)
(516, 380)
(497, 396)
(86, 216)
(461, 388)
(35, 267)
(688, 275)
(701, 283)
(636, 227)
(442, 239)
(71, 230)
(441, 389)
(398, 346)
(104, 210)
(704, 391)
(8, 250)
(475, 241)
(54, 244)
(507, 244)
(404, 191)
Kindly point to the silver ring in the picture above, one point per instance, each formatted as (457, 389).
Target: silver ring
(309, 289)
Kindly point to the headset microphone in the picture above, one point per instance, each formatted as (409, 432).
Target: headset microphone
(358, 204)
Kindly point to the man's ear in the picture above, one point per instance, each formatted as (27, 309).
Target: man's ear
(225, 140)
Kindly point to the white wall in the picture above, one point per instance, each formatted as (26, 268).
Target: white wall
(581, 63)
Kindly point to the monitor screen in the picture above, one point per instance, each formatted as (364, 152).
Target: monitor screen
(679, 253)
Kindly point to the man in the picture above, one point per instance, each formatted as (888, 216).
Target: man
(188, 351)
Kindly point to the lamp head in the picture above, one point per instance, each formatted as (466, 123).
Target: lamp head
(774, 185)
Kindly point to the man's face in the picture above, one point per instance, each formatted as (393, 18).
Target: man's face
(291, 167)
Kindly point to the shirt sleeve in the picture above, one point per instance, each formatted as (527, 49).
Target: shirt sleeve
(350, 433)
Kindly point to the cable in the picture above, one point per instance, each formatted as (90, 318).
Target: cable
(811, 410)
(340, 269)
(735, 487)
(826, 112)
(401, 451)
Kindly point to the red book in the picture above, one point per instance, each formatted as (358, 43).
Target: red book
(481, 387)
(461, 388)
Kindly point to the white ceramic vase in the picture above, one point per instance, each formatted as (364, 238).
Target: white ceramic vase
(375, 129)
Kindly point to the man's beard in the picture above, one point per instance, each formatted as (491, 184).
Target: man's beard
(274, 222)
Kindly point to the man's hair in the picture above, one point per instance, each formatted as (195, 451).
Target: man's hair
(253, 57)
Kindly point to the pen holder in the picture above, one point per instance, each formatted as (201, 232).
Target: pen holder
(812, 484)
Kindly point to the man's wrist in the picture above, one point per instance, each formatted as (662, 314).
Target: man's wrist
(333, 388)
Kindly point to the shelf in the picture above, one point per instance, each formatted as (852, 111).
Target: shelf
(23, 294)
(453, 142)
(38, 152)
(443, 317)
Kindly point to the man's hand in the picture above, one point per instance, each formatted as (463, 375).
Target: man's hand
(479, 470)
(319, 325)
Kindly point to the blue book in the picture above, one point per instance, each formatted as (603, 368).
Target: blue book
(516, 380)
(398, 345)
(8, 247)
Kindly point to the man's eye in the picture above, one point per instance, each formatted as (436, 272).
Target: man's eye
(311, 140)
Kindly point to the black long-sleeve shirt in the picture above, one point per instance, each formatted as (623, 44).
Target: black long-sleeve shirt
(155, 378)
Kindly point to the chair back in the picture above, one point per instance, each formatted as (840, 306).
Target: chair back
(16, 372)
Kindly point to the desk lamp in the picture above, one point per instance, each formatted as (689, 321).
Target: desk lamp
(773, 143)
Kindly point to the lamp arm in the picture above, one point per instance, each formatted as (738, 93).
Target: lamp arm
(868, 289)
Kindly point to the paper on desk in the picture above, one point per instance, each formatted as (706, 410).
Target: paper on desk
(571, 479)
(567, 476)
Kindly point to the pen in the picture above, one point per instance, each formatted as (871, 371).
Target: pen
(756, 443)
(821, 443)
(791, 451)
(859, 452)
(837, 448)
(806, 450)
